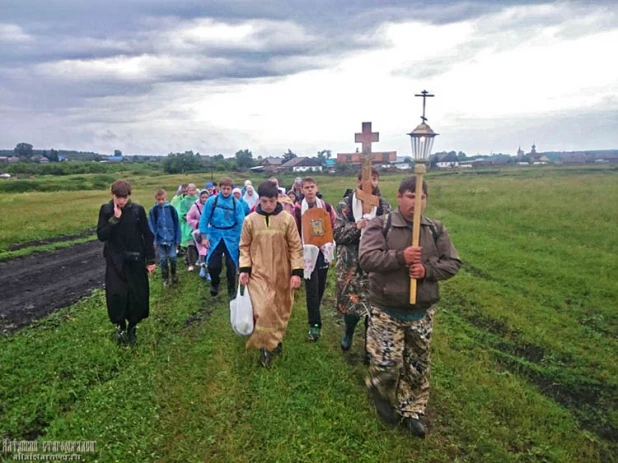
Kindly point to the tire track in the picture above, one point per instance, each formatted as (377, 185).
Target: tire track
(32, 287)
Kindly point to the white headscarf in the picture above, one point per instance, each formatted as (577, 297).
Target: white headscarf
(251, 200)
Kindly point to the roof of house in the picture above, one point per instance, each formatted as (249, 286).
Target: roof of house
(272, 161)
(301, 162)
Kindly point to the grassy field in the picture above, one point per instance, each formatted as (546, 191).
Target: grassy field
(525, 364)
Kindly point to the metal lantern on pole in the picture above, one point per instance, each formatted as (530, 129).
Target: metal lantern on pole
(421, 139)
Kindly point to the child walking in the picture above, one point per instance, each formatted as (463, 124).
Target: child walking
(129, 257)
(271, 266)
(165, 226)
(319, 258)
(193, 219)
(187, 242)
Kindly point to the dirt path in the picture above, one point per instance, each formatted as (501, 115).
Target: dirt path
(34, 286)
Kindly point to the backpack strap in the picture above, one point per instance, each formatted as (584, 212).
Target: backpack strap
(434, 230)
(214, 206)
(155, 213)
(388, 224)
(174, 215)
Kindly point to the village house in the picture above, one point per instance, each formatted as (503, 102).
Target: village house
(113, 159)
(330, 165)
(447, 161)
(272, 164)
(573, 158)
(301, 164)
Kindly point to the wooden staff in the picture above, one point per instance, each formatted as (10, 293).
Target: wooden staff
(419, 170)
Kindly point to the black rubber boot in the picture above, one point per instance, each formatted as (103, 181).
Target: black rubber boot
(415, 427)
(367, 355)
(121, 334)
(266, 358)
(385, 410)
(132, 334)
(350, 325)
(173, 270)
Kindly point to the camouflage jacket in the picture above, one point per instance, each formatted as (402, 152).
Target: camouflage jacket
(352, 288)
(345, 231)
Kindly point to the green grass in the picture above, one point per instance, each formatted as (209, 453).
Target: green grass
(524, 353)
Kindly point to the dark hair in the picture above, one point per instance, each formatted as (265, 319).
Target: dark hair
(268, 189)
(160, 193)
(121, 188)
(307, 180)
(409, 184)
(226, 181)
(373, 172)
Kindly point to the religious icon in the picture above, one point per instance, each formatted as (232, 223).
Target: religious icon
(317, 227)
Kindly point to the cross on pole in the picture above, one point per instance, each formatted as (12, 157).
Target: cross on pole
(419, 170)
(365, 192)
(366, 158)
(425, 94)
(366, 137)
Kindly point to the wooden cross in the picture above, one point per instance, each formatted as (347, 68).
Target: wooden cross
(366, 137)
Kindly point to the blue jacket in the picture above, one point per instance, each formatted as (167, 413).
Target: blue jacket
(244, 205)
(222, 219)
(164, 224)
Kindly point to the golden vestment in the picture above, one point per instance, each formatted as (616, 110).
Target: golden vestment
(270, 245)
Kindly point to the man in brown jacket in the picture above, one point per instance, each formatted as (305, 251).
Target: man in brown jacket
(399, 334)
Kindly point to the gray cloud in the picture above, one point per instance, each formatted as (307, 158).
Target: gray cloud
(69, 65)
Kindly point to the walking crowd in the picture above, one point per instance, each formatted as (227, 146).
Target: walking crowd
(270, 241)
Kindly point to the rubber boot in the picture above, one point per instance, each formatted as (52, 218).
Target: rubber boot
(367, 355)
(132, 332)
(350, 325)
(173, 270)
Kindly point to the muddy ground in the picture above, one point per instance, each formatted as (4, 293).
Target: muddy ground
(32, 287)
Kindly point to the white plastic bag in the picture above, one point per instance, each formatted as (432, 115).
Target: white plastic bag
(241, 312)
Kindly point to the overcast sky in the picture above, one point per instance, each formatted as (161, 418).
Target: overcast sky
(216, 76)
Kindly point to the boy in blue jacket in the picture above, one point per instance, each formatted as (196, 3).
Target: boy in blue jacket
(220, 227)
(165, 226)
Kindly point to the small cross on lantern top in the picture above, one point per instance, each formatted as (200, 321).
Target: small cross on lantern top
(425, 94)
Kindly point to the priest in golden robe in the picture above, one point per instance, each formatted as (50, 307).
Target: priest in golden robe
(271, 265)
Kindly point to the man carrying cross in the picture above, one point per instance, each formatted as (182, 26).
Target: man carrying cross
(353, 212)
(399, 334)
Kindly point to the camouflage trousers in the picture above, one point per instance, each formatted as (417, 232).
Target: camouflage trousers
(400, 360)
(352, 290)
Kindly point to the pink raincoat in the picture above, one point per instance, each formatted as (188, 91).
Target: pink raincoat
(193, 219)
